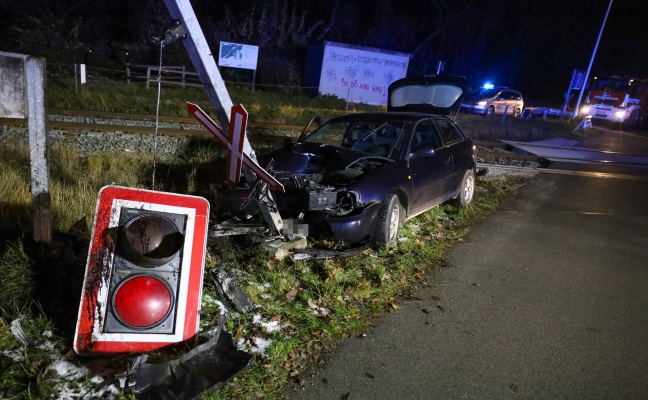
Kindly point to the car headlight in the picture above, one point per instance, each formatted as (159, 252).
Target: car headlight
(620, 114)
(482, 103)
(585, 110)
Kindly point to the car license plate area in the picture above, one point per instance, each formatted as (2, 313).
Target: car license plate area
(322, 200)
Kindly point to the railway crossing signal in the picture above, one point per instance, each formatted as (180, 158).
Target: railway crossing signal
(143, 280)
(222, 137)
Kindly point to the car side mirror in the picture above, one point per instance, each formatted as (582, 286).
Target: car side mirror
(423, 150)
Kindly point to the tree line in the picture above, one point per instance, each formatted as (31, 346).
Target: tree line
(529, 45)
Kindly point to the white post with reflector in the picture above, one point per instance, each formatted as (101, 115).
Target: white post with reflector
(143, 280)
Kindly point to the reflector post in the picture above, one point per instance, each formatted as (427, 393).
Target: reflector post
(143, 278)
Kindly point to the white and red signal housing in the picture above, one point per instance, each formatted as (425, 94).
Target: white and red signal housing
(143, 280)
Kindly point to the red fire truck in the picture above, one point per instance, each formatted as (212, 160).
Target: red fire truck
(617, 99)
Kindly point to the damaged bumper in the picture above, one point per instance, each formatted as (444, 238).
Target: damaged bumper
(354, 227)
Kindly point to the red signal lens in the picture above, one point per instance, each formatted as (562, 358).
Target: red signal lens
(142, 301)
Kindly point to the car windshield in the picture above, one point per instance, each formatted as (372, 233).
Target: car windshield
(381, 137)
(482, 93)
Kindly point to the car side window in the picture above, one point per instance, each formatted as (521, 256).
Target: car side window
(426, 135)
(449, 132)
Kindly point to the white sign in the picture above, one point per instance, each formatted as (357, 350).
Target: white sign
(83, 74)
(238, 55)
(360, 74)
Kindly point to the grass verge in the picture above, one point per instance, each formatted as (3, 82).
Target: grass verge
(304, 307)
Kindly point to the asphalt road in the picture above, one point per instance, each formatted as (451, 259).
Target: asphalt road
(547, 299)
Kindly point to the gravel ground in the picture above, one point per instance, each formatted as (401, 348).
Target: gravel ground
(173, 147)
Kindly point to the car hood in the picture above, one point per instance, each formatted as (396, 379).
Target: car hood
(434, 94)
(335, 165)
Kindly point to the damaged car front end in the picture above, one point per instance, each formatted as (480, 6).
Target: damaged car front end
(357, 177)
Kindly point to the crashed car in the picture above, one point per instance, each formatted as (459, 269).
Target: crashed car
(357, 177)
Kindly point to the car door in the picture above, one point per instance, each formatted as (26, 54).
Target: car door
(456, 148)
(430, 165)
(510, 101)
(500, 102)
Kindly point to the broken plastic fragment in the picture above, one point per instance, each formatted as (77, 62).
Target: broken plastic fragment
(208, 366)
(230, 290)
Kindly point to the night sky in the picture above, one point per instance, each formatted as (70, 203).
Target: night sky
(529, 45)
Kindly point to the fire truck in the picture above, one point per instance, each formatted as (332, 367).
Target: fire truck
(617, 99)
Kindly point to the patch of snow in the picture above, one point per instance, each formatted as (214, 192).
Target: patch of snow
(242, 344)
(318, 310)
(270, 326)
(260, 345)
(15, 355)
(47, 346)
(207, 300)
(68, 370)
(66, 391)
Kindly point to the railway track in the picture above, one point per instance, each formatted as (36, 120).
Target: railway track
(100, 121)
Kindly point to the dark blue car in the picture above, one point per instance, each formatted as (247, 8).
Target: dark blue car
(357, 177)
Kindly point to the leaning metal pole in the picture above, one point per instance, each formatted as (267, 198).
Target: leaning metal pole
(203, 60)
(589, 68)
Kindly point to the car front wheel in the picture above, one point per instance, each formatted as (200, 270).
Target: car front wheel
(466, 189)
(490, 111)
(387, 222)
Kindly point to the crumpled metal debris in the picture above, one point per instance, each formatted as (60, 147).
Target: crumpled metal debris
(229, 290)
(208, 366)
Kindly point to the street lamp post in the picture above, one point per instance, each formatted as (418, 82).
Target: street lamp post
(589, 68)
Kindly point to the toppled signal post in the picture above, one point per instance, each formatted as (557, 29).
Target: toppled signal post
(194, 40)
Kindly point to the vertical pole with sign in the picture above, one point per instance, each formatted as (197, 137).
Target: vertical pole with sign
(22, 84)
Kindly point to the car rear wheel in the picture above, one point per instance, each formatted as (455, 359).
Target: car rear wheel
(466, 189)
(387, 222)
(516, 113)
(490, 111)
